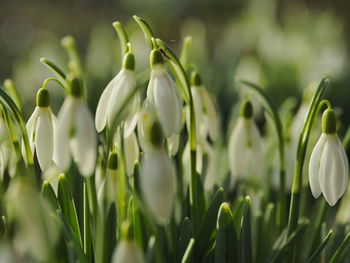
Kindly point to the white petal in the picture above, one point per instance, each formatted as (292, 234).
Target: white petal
(131, 121)
(212, 119)
(84, 143)
(131, 150)
(102, 106)
(62, 154)
(314, 167)
(127, 252)
(345, 165)
(167, 104)
(331, 177)
(173, 144)
(158, 184)
(30, 127)
(124, 87)
(145, 119)
(44, 139)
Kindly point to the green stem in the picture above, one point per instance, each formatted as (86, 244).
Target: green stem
(271, 109)
(123, 37)
(301, 152)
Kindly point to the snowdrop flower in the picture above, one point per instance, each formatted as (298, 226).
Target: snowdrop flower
(158, 178)
(145, 120)
(245, 150)
(41, 128)
(127, 250)
(114, 96)
(164, 95)
(76, 134)
(205, 112)
(328, 167)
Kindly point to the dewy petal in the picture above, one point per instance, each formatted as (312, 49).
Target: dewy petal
(62, 154)
(44, 139)
(84, 147)
(158, 184)
(102, 106)
(314, 167)
(330, 171)
(131, 149)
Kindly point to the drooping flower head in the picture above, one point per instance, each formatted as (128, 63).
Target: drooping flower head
(115, 96)
(245, 151)
(76, 136)
(158, 177)
(41, 128)
(164, 96)
(328, 167)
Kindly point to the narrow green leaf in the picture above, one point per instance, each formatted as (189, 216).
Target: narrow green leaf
(246, 233)
(237, 213)
(151, 251)
(226, 248)
(208, 225)
(56, 70)
(187, 258)
(339, 253)
(185, 52)
(49, 194)
(315, 256)
(12, 91)
(260, 239)
(185, 235)
(88, 243)
(67, 205)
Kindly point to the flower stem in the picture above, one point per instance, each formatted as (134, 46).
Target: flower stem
(123, 37)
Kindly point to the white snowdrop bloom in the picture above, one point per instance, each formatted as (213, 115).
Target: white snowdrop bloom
(127, 251)
(158, 178)
(131, 150)
(76, 136)
(245, 150)
(205, 112)
(146, 118)
(41, 128)
(328, 167)
(117, 92)
(164, 95)
(173, 144)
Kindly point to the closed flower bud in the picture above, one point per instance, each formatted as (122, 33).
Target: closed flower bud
(164, 95)
(41, 127)
(328, 167)
(158, 183)
(245, 151)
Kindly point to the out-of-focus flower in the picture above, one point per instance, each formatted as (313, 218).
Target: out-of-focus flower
(164, 95)
(115, 95)
(127, 250)
(158, 178)
(145, 119)
(41, 128)
(205, 112)
(75, 134)
(245, 151)
(328, 167)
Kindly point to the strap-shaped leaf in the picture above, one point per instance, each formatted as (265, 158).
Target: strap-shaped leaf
(314, 257)
(339, 253)
(49, 194)
(246, 233)
(187, 258)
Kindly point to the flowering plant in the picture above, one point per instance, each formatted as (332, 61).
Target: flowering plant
(140, 182)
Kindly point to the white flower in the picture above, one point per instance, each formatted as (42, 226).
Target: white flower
(115, 95)
(41, 128)
(205, 112)
(245, 150)
(328, 167)
(127, 251)
(145, 119)
(164, 95)
(76, 135)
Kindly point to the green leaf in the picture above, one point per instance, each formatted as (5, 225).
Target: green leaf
(246, 233)
(185, 52)
(67, 205)
(339, 253)
(237, 213)
(12, 91)
(208, 225)
(226, 248)
(186, 235)
(187, 258)
(49, 194)
(151, 251)
(315, 256)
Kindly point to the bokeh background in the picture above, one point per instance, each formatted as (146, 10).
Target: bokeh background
(283, 45)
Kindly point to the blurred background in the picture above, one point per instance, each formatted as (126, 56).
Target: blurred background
(283, 45)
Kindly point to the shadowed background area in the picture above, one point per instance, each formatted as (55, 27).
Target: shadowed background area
(282, 45)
